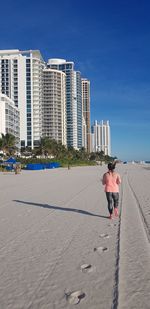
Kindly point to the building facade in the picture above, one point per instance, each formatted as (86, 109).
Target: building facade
(79, 108)
(21, 78)
(9, 118)
(49, 98)
(101, 137)
(54, 105)
(86, 112)
(73, 100)
(84, 134)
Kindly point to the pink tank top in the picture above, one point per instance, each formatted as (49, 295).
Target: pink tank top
(111, 182)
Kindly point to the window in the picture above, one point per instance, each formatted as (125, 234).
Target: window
(22, 143)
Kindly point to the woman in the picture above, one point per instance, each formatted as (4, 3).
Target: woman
(111, 180)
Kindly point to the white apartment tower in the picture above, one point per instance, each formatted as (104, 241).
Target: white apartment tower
(54, 105)
(21, 74)
(101, 137)
(73, 100)
(86, 111)
(9, 118)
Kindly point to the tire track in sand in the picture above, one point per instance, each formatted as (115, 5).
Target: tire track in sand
(116, 275)
(134, 268)
(143, 217)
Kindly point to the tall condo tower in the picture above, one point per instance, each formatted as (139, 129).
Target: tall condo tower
(9, 118)
(86, 111)
(54, 105)
(21, 75)
(101, 137)
(73, 100)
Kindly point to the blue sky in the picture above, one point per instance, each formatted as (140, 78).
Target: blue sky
(109, 41)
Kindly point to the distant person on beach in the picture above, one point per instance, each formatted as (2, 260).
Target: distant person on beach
(111, 181)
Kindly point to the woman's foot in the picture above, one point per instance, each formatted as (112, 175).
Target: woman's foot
(116, 212)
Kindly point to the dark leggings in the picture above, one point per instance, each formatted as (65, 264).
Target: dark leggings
(112, 197)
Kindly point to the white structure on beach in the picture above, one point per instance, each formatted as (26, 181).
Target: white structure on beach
(54, 105)
(9, 117)
(21, 80)
(100, 137)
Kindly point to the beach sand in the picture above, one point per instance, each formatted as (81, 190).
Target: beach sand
(58, 249)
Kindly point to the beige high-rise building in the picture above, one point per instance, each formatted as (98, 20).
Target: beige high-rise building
(86, 112)
(54, 105)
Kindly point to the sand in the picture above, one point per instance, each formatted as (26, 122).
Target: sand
(58, 249)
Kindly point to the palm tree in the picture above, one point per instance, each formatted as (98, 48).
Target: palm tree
(83, 154)
(43, 147)
(8, 143)
(47, 146)
(61, 151)
(100, 155)
(92, 156)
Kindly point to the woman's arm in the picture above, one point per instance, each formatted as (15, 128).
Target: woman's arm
(104, 179)
(118, 179)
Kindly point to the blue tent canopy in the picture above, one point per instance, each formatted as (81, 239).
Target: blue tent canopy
(11, 160)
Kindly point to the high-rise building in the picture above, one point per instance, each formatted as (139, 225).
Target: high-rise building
(54, 105)
(92, 142)
(47, 108)
(73, 100)
(86, 110)
(79, 108)
(9, 118)
(84, 134)
(21, 74)
(101, 134)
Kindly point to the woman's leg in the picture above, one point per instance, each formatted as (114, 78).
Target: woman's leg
(116, 202)
(115, 196)
(110, 202)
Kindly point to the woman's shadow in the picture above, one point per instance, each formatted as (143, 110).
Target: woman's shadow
(80, 211)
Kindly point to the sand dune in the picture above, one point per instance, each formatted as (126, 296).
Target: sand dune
(58, 249)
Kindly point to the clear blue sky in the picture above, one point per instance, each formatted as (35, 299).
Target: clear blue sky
(109, 41)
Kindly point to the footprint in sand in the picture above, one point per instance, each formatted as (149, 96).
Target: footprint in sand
(74, 298)
(104, 236)
(112, 224)
(101, 249)
(86, 268)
